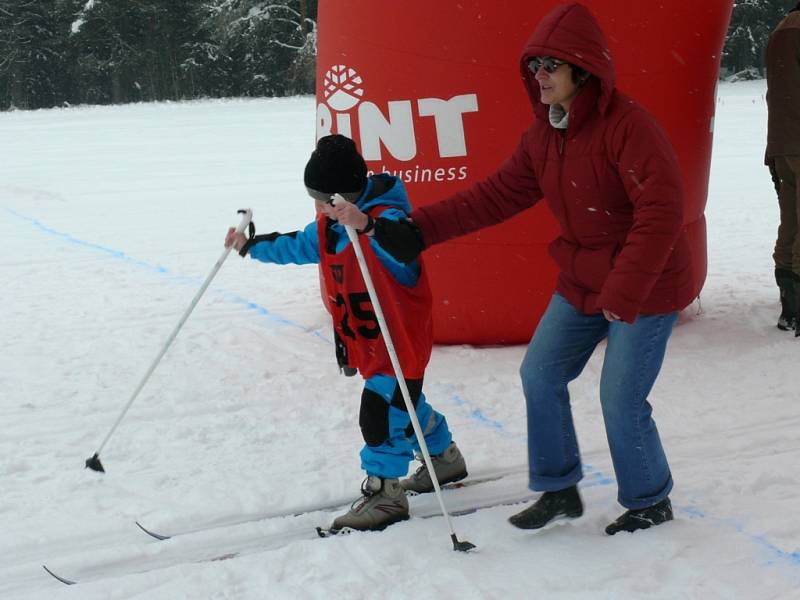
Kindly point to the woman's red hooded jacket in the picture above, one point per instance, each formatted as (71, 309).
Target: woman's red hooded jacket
(611, 179)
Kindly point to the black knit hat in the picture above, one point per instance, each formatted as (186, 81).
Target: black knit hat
(335, 166)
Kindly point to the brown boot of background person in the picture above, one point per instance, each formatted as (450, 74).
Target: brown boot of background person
(787, 283)
(796, 278)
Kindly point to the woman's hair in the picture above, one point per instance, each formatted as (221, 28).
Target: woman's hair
(579, 75)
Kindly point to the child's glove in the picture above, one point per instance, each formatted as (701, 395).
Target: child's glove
(402, 239)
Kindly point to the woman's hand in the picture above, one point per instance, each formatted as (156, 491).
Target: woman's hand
(610, 316)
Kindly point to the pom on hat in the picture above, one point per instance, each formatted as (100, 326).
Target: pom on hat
(335, 166)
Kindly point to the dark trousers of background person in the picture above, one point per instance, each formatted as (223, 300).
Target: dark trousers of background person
(787, 246)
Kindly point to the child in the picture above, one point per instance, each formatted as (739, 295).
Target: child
(337, 167)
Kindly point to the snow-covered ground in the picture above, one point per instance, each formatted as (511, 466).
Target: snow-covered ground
(110, 219)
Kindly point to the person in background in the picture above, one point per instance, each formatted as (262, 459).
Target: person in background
(783, 159)
(336, 167)
(611, 178)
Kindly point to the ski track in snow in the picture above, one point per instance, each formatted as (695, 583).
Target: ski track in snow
(220, 432)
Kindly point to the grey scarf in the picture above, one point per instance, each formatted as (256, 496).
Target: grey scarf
(559, 118)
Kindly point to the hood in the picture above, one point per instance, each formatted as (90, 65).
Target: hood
(394, 196)
(570, 32)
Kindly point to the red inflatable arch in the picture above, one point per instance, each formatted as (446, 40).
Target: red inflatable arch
(431, 91)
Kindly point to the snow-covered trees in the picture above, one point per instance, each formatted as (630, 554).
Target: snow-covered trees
(270, 46)
(54, 52)
(100, 51)
(32, 44)
(751, 23)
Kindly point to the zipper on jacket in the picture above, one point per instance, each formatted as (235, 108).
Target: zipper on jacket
(561, 141)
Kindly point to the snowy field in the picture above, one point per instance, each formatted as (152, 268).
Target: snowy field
(111, 218)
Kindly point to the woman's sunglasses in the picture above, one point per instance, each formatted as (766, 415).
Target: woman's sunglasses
(550, 64)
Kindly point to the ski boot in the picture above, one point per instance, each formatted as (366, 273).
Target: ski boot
(383, 503)
(449, 467)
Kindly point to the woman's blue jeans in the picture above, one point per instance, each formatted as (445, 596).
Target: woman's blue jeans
(564, 340)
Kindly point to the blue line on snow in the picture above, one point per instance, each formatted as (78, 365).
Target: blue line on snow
(792, 557)
(161, 270)
(777, 553)
(476, 413)
(596, 478)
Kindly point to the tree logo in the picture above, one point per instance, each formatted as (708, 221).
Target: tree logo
(341, 88)
(390, 126)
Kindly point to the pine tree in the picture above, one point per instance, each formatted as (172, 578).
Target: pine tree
(269, 47)
(34, 53)
(54, 52)
(752, 21)
(130, 51)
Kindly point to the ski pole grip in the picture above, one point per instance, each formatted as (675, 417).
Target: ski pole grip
(247, 216)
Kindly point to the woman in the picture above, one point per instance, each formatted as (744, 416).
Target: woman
(610, 177)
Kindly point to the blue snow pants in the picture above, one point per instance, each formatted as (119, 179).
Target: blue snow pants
(387, 430)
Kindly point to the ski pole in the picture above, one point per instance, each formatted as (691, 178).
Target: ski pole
(94, 461)
(412, 413)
